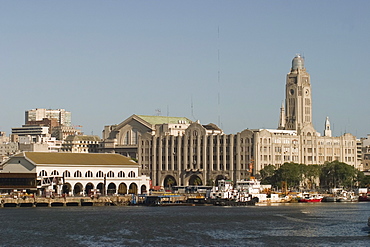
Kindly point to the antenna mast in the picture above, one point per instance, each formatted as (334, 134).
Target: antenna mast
(218, 76)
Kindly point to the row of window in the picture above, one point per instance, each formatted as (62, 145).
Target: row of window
(88, 174)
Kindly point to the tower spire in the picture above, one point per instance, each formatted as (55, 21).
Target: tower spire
(282, 116)
(327, 131)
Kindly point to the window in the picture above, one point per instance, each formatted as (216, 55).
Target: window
(110, 174)
(77, 174)
(131, 174)
(99, 174)
(66, 174)
(127, 138)
(88, 174)
(55, 172)
(134, 137)
(121, 174)
(43, 173)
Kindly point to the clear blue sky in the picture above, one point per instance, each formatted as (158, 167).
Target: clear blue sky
(106, 60)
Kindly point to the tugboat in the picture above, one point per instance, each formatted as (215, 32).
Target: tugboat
(226, 195)
(307, 197)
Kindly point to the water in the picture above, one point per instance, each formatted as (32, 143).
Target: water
(295, 224)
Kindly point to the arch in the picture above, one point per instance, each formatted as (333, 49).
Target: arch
(131, 174)
(134, 137)
(88, 188)
(110, 174)
(43, 173)
(99, 174)
(126, 138)
(53, 173)
(77, 189)
(112, 188)
(122, 189)
(66, 188)
(169, 181)
(66, 174)
(143, 189)
(101, 189)
(132, 189)
(121, 174)
(77, 174)
(89, 174)
(195, 180)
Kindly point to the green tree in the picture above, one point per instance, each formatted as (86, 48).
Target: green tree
(311, 175)
(364, 181)
(289, 173)
(267, 174)
(338, 174)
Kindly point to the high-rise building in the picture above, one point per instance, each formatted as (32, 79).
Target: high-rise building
(62, 116)
(298, 96)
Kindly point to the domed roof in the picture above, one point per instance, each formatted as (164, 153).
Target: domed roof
(297, 62)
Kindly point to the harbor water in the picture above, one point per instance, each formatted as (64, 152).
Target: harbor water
(294, 224)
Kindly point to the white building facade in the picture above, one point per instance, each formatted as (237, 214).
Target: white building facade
(82, 174)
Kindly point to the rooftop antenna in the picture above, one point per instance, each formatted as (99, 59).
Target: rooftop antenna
(157, 112)
(192, 108)
(218, 75)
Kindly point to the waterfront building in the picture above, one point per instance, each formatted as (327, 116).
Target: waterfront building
(199, 157)
(295, 139)
(72, 174)
(180, 152)
(123, 138)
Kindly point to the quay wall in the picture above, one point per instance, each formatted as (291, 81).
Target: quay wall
(66, 201)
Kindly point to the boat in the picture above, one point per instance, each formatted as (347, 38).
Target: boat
(226, 195)
(345, 196)
(308, 197)
(329, 199)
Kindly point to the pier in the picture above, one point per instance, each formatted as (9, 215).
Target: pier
(66, 201)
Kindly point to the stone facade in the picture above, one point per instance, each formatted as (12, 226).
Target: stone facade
(198, 154)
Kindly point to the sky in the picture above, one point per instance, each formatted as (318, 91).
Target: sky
(222, 62)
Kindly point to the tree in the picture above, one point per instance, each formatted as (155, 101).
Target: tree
(338, 174)
(267, 174)
(291, 174)
(311, 175)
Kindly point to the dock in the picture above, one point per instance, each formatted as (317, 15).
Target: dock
(65, 201)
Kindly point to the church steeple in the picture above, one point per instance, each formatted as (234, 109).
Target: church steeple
(327, 131)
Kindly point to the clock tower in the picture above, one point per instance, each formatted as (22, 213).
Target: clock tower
(298, 110)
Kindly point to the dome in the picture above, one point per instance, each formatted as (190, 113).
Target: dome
(297, 62)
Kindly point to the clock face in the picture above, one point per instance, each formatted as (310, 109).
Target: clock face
(291, 91)
(307, 92)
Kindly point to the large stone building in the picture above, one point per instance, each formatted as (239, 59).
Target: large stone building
(180, 152)
(123, 138)
(202, 157)
(296, 140)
